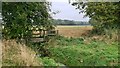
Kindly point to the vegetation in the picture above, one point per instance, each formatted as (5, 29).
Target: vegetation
(49, 62)
(18, 22)
(73, 31)
(14, 54)
(104, 12)
(75, 52)
(104, 16)
(20, 17)
(69, 22)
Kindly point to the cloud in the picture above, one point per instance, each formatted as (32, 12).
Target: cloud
(67, 11)
(58, 0)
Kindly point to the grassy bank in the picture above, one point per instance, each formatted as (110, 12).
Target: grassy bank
(14, 54)
(75, 52)
(62, 52)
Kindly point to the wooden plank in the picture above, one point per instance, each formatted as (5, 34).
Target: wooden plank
(39, 35)
(37, 39)
(42, 33)
(51, 34)
(35, 35)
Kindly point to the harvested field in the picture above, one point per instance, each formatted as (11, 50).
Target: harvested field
(73, 31)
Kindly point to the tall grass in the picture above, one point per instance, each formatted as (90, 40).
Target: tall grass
(14, 54)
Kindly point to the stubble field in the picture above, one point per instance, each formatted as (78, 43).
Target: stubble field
(73, 31)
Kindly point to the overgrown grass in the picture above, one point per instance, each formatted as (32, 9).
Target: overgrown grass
(14, 54)
(47, 61)
(74, 52)
(63, 52)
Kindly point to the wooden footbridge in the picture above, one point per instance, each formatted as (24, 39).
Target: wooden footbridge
(42, 35)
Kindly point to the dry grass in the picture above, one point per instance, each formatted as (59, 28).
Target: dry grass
(14, 54)
(0, 53)
(73, 31)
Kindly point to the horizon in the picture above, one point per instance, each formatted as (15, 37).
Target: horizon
(72, 20)
(67, 12)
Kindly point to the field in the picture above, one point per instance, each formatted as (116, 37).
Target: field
(73, 31)
(31, 35)
(69, 49)
(72, 49)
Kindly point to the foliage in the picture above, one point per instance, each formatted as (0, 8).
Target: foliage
(96, 53)
(69, 41)
(20, 17)
(49, 62)
(104, 15)
(69, 22)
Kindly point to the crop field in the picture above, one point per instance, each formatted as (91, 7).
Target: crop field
(73, 31)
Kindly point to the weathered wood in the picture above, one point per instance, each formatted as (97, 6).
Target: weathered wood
(52, 32)
(39, 35)
(37, 40)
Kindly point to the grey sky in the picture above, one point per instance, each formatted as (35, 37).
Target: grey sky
(67, 11)
(0, 16)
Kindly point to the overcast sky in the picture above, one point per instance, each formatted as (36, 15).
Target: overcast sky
(67, 11)
(0, 16)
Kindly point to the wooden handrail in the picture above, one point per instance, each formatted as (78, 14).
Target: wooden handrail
(36, 37)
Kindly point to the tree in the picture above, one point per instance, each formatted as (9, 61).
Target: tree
(19, 17)
(104, 15)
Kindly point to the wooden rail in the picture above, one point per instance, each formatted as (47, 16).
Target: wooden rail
(42, 35)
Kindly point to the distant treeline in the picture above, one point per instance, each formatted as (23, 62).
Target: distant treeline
(69, 22)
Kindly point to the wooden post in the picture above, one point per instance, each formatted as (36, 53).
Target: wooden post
(57, 32)
(40, 32)
(44, 33)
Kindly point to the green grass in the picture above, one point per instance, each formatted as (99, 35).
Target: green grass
(49, 62)
(69, 52)
(74, 52)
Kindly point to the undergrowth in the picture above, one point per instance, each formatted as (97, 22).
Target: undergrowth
(75, 52)
(61, 51)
